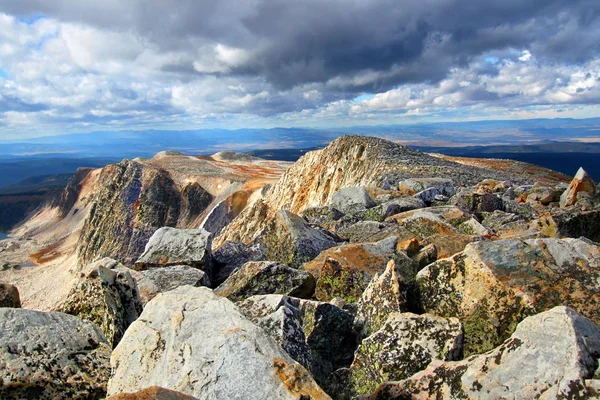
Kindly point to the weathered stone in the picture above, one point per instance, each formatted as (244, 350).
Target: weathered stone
(152, 393)
(413, 186)
(432, 194)
(573, 224)
(475, 203)
(218, 218)
(266, 277)
(404, 345)
(473, 227)
(154, 281)
(345, 271)
(400, 205)
(448, 245)
(51, 356)
(495, 220)
(492, 286)
(350, 199)
(582, 182)
(231, 256)
(424, 223)
(172, 246)
(107, 297)
(425, 256)
(387, 293)
(371, 231)
(9, 296)
(195, 342)
(325, 217)
(410, 247)
(195, 199)
(318, 335)
(550, 356)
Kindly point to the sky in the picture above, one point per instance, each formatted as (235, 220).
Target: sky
(82, 65)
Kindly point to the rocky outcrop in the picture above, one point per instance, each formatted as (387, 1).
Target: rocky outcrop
(581, 183)
(386, 294)
(404, 345)
(172, 246)
(352, 199)
(525, 366)
(152, 393)
(51, 356)
(266, 277)
(345, 271)
(195, 342)
(108, 298)
(9, 296)
(218, 218)
(316, 334)
(152, 282)
(194, 200)
(70, 195)
(492, 286)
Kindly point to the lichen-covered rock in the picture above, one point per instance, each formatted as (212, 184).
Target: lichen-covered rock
(404, 345)
(492, 286)
(387, 293)
(107, 297)
(345, 271)
(153, 281)
(372, 231)
(572, 223)
(473, 227)
(424, 223)
(231, 256)
(413, 186)
(425, 256)
(326, 217)
(9, 296)
(551, 355)
(51, 356)
(475, 203)
(318, 335)
(400, 205)
(351, 199)
(448, 245)
(152, 393)
(195, 342)
(266, 277)
(581, 183)
(172, 246)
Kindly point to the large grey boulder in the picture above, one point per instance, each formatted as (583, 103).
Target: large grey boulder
(412, 186)
(153, 281)
(552, 355)
(404, 345)
(51, 356)
(105, 296)
(352, 199)
(192, 341)
(9, 296)
(318, 335)
(172, 246)
(266, 277)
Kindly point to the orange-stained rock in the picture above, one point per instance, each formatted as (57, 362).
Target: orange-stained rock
(448, 245)
(152, 393)
(410, 247)
(582, 182)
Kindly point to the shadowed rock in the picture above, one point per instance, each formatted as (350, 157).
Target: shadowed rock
(9, 296)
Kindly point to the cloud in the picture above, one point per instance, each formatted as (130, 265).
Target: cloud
(81, 65)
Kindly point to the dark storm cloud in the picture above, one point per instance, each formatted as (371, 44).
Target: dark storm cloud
(393, 42)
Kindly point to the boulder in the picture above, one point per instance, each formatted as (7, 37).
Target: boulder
(105, 296)
(345, 271)
(404, 345)
(372, 231)
(51, 356)
(9, 296)
(572, 223)
(400, 205)
(172, 246)
(551, 355)
(318, 335)
(581, 183)
(326, 217)
(474, 228)
(266, 277)
(387, 293)
(475, 203)
(449, 244)
(424, 223)
(351, 199)
(152, 393)
(218, 218)
(425, 256)
(492, 286)
(231, 256)
(153, 281)
(192, 341)
(412, 186)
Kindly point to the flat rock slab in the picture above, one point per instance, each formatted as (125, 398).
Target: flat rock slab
(51, 356)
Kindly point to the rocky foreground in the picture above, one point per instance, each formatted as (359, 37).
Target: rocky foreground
(366, 270)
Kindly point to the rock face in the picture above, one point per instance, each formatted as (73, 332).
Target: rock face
(69, 196)
(195, 342)
(131, 203)
(51, 356)
(386, 294)
(231, 256)
(581, 183)
(106, 297)
(352, 198)
(345, 271)
(9, 296)
(171, 246)
(492, 286)
(266, 277)
(316, 334)
(153, 281)
(404, 345)
(152, 393)
(219, 217)
(523, 367)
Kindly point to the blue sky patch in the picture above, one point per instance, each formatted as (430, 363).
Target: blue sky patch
(3, 74)
(366, 96)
